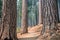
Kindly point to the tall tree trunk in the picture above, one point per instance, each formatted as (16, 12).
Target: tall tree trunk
(49, 8)
(40, 13)
(24, 24)
(8, 27)
(0, 25)
(36, 18)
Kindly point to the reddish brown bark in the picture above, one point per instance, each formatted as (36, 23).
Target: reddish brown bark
(24, 24)
(8, 27)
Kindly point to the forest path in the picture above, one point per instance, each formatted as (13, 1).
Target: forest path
(28, 36)
(33, 33)
(31, 38)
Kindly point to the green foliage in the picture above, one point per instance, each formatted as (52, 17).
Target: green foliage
(32, 11)
(19, 7)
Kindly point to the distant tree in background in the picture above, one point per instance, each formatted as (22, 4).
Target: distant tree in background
(40, 13)
(19, 12)
(8, 27)
(49, 8)
(24, 24)
(0, 13)
(32, 12)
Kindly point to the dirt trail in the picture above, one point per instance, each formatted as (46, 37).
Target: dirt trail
(33, 33)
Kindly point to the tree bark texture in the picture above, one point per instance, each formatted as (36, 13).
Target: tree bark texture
(49, 10)
(24, 24)
(8, 27)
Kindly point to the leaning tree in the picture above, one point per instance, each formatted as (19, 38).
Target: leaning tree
(49, 11)
(8, 26)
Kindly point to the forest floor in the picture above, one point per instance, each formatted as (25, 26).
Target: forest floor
(34, 34)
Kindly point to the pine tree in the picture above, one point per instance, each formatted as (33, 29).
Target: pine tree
(8, 27)
(49, 10)
(40, 13)
(24, 24)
